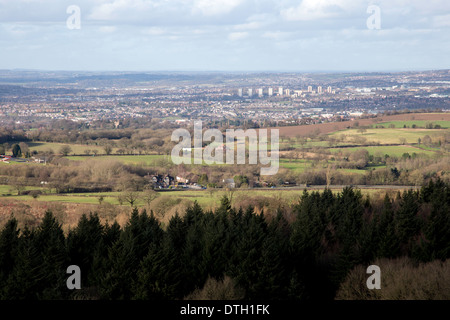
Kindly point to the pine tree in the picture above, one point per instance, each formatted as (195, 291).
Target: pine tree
(248, 249)
(84, 242)
(309, 226)
(225, 205)
(388, 245)
(49, 239)
(100, 260)
(406, 220)
(121, 268)
(161, 275)
(192, 257)
(176, 231)
(219, 241)
(111, 234)
(150, 282)
(369, 239)
(9, 240)
(25, 280)
(348, 219)
(437, 230)
(142, 230)
(274, 268)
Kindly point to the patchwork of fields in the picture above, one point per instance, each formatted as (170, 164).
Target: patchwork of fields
(337, 141)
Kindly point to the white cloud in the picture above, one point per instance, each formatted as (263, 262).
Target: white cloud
(121, 9)
(206, 30)
(107, 29)
(215, 7)
(234, 36)
(21, 30)
(154, 31)
(277, 35)
(253, 25)
(310, 10)
(441, 21)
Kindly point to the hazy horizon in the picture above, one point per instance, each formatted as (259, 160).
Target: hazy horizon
(225, 71)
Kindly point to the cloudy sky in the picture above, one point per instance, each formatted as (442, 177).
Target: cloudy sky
(225, 35)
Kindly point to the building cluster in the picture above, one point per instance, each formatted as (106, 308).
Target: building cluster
(263, 97)
(168, 182)
(283, 92)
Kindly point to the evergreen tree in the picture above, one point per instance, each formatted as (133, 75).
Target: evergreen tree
(16, 151)
(406, 220)
(176, 231)
(50, 241)
(162, 274)
(142, 230)
(100, 260)
(111, 234)
(274, 268)
(193, 215)
(309, 226)
(84, 242)
(388, 245)
(245, 269)
(25, 281)
(9, 241)
(369, 239)
(192, 256)
(225, 206)
(120, 271)
(437, 229)
(217, 244)
(348, 219)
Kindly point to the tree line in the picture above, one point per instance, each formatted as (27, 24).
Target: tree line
(266, 258)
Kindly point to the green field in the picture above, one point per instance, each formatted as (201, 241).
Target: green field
(6, 190)
(390, 136)
(418, 123)
(202, 197)
(297, 165)
(206, 198)
(127, 159)
(396, 151)
(309, 144)
(55, 147)
(67, 198)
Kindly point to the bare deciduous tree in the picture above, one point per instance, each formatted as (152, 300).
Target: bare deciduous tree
(149, 195)
(131, 197)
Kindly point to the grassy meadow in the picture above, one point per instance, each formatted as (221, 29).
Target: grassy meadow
(418, 123)
(390, 135)
(396, 151)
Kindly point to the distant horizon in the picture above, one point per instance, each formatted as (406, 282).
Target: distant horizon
(224, 71)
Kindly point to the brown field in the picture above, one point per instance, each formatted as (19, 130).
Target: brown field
(294, 131)
(30, 213)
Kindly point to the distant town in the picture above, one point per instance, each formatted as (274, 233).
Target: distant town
(267, 99)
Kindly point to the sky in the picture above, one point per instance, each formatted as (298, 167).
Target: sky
(225, 35)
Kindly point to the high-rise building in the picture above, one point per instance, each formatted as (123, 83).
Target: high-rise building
(287, 92)
(250, 92)
(319, 89)
(309, 88)
(270, 92)
(240, 92)
(280, 91)
(260, 92)
(329, 90)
